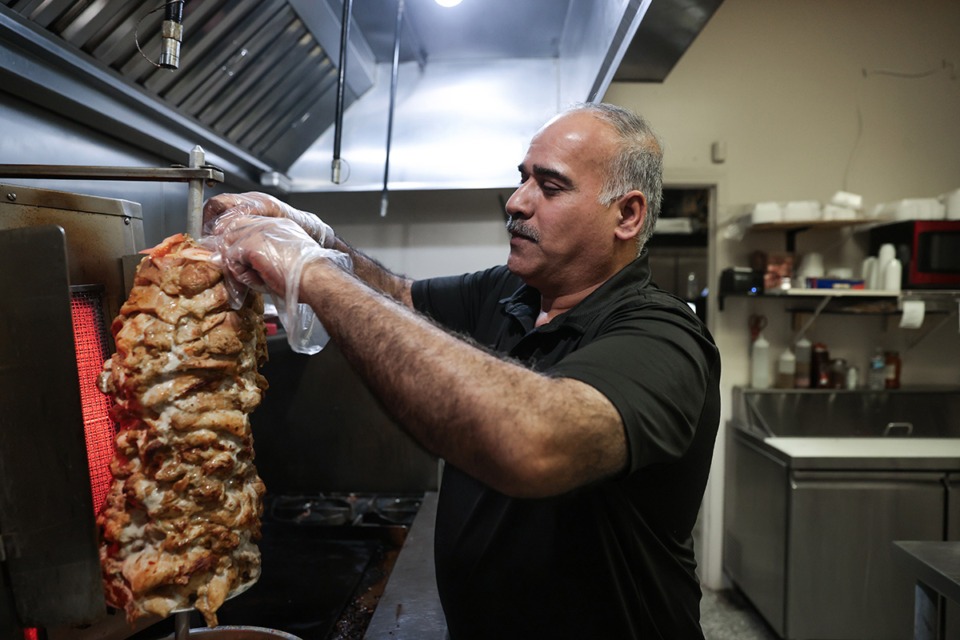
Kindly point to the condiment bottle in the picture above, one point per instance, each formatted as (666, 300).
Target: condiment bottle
(892, 370)
(802, 380)
(760, 363)
(786, 370)
(820, 367)
(838, 373)
(853, 377)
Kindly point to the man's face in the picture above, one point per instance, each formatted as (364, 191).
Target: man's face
(561, 237)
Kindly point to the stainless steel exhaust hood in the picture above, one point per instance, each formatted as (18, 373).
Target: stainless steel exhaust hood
(258, 80)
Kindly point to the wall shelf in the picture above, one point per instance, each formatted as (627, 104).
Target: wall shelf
(872, 301)
(791, 228)
(936, 300)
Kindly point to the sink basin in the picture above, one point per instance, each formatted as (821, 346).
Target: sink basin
(828, 413)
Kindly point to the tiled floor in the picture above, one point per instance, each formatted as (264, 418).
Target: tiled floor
(726, 615)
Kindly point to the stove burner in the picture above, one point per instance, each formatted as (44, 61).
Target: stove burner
(396, 510)
(317, 510)
(343, 509)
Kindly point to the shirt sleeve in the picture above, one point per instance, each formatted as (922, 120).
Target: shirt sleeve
(654, 364)
(459, 302)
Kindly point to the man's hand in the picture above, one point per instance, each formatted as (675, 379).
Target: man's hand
(267, 254)
(261, 204)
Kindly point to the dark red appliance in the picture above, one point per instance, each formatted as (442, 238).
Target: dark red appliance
(928, 249)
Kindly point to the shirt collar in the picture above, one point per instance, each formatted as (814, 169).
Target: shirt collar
(524, 304)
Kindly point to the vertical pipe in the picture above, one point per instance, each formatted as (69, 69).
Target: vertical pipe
(341, 83)
(195, 196)
(393, 100)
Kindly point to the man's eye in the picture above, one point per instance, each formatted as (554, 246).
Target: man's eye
(550, 188)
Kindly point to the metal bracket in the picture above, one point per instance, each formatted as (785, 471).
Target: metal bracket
(195, 175)
(816, 314)
(177, 173)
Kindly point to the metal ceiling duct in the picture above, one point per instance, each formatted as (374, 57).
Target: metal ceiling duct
(667, 31)
(258, 80)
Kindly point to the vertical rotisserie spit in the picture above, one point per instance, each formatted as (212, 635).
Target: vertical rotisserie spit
(179, 524)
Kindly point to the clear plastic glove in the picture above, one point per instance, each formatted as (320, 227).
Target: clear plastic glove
(260, 204)
(268, 255)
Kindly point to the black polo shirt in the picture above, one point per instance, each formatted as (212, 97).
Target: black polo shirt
(614, 559)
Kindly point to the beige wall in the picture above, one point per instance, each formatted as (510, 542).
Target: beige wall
(811, 97)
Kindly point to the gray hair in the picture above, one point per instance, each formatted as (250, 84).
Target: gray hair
(638, 163)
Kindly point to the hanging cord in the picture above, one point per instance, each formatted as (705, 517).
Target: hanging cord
(393, 99)
(169, 6)
(336, 163)
(946, 66)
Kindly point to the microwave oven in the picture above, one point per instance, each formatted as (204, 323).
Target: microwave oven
(929, 251)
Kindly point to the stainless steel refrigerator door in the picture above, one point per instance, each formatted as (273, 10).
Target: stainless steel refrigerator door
(843, 579)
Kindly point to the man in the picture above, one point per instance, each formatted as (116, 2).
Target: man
(575, 466)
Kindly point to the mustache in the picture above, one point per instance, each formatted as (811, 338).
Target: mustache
(518, 227)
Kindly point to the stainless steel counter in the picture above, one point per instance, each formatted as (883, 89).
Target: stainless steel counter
(409, 608)
(920, 454)
(936, 566)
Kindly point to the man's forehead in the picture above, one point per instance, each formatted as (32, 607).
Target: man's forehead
(566, 142)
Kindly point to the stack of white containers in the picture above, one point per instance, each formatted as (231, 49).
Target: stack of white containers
(882, 271)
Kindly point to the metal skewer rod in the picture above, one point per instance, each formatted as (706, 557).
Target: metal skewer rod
(195, 197)
(181, 624)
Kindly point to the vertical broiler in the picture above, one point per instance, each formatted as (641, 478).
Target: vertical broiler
(66, 262)
(66, 265)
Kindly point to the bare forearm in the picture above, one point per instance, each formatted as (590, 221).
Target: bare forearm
(518, 431)
(375, 274)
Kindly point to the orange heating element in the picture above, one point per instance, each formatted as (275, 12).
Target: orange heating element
(90, 340)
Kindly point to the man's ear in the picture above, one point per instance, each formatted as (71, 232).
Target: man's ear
(633, 211)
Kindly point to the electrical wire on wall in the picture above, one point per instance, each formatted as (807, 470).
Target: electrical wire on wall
(946, 66)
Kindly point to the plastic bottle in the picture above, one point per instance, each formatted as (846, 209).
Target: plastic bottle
(838, 373)
(786, 370)
(853, 377)
(892, 370)
(803, 364)
(876, 372)
(804, 350)
(760, 363)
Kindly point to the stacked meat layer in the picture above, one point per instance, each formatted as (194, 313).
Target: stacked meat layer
(179, 524)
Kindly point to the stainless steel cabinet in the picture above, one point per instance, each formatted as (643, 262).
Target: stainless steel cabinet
(842, 578)
(809, 541)
(755, 524)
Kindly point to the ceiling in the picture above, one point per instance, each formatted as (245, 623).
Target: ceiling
(258, 82)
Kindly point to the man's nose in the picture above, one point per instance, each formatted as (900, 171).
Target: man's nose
(518, 202)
